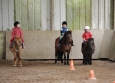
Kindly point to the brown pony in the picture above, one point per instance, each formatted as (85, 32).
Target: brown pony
(65, 47)
(17, 50)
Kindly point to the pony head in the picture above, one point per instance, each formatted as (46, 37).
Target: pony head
(17, 43)
(67, 37)
(91, 43)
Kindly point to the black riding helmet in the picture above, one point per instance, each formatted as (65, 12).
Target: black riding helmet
(64, 22)
(15, 23)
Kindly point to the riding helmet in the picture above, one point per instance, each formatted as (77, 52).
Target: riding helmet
(15, 23)
(86, 28)
(64, 22)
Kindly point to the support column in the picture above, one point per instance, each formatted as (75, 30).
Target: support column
(53, 12)
(58, 13)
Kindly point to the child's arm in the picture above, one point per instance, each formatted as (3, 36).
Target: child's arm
(21, 33)
(12, 33)
(83, 36)
(67, 29)
(61, 31)
(91, 35)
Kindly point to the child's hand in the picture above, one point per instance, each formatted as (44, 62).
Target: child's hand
(84, 40)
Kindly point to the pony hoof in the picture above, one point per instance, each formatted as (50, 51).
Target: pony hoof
(20, 65)
(14, 65)
(64, 63)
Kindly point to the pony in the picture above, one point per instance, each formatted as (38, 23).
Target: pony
(88, 50)
(65, 47)
(17, 51)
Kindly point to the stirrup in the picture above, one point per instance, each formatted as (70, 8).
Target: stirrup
(59, 45)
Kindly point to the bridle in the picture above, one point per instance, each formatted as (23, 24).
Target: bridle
(17, 46)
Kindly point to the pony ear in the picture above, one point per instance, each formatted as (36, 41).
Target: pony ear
(70, 31)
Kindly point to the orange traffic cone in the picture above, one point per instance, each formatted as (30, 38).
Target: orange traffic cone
(71, 65)
(91, 75)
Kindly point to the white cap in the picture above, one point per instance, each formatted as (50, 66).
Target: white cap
(87, 27)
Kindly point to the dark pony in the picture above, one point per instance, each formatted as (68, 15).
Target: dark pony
(65, 47)
(88, 50)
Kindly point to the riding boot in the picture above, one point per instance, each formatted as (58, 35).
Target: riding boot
(72, 43)
(23, 46)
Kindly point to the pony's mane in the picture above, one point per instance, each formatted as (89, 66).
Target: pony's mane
(68, 32)
(91, 39)
(65, 37)
(17, 38)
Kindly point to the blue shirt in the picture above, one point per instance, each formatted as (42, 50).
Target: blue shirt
(63, 30)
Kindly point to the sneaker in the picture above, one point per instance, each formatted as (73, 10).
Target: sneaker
(23, 46)
(72, 45)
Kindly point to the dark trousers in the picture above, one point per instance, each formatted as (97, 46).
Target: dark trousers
(83, 43)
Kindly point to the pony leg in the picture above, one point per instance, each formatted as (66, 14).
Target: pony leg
(61, 57)
(15, 57)
(20, 60)
(64, 59)
(91, 59)
(67, 58)
(83, 58)
(88, 59)
(56, 57)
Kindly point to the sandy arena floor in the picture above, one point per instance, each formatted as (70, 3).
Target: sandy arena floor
(48, 72)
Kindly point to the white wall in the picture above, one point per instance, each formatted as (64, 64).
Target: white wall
(6, 14)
